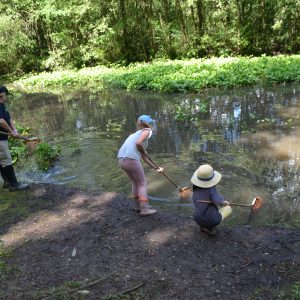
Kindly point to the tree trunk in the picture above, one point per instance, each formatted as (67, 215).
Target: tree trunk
(200, 14)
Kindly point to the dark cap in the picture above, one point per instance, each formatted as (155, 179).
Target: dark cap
(3, 89)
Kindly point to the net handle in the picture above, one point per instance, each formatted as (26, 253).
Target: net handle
(164, 174)
(252, 205)
(20, 137)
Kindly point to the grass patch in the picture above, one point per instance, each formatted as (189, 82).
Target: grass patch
(289, 293)
(5, 269)
(15, 207)
(295, 291)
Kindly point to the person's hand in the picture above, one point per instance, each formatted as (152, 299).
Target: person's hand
(15, 133)
(226, 203)
(160, 170)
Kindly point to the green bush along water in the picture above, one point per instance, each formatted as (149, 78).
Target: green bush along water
(174, 76)
(41, 159)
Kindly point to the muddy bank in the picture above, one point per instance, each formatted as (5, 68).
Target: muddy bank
(73, 244)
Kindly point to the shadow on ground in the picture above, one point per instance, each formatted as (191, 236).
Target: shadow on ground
(79, 245)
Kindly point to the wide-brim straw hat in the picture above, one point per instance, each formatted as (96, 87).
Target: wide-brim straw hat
(206, 177)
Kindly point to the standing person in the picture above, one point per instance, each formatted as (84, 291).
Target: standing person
(207, 215)
(130, 155)
(7, 125)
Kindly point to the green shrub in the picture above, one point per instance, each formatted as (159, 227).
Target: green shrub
(45, 155)
(176, 76)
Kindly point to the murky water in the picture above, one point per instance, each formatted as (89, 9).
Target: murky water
(251, 135)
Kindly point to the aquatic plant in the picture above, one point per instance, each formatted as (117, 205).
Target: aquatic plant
(17, 147)
(45, 155)
(188, 111)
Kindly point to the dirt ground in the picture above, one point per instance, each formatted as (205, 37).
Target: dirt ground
(75, 244)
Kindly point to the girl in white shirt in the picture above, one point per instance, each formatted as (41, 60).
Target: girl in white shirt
(130, 155)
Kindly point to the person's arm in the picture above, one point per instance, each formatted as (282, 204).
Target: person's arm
(5, 126)
(9, 127)
(139, 144)
(12, 125)
(142, 138)
(216, 198)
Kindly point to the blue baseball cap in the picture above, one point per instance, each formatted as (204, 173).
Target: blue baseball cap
(146, 119)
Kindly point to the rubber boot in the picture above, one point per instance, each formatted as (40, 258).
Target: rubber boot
(146, 210)
(14, 185)
(5, 181)
(137, 207)
(225, 211)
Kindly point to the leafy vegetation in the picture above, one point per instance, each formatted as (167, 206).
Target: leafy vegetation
(17, 147)
(45, 155)
(291, 293)
(176, 76)
(296, 291)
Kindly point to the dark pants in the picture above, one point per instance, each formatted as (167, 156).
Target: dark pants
(209, 218)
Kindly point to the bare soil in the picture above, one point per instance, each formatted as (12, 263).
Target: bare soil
(75, 244)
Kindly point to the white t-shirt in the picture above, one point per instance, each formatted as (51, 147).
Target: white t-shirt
(129, 148)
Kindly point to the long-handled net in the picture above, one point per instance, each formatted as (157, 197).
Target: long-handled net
(183, 192)
(30, 142)
(255, 205)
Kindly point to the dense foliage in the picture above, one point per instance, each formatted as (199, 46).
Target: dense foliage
(175, 76)
(37, 35)
(42, 158)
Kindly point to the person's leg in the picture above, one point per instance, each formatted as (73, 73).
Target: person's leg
(139, 178)
(5, 181)
(203, 226)
(225, 211)
(8, 170)
(2, 160)
(135, 172)
(127, 166)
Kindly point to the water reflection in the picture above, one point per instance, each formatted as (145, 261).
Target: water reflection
(251, 135)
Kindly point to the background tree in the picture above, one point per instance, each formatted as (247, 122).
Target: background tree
(52, 34)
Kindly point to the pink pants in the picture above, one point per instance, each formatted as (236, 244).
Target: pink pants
(135, 172)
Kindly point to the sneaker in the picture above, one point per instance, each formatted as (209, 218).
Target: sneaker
(145, 209)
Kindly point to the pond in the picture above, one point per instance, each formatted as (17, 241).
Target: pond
(251, 135)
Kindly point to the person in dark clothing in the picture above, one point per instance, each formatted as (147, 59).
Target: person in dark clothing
(207, 215)
(7, 125)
